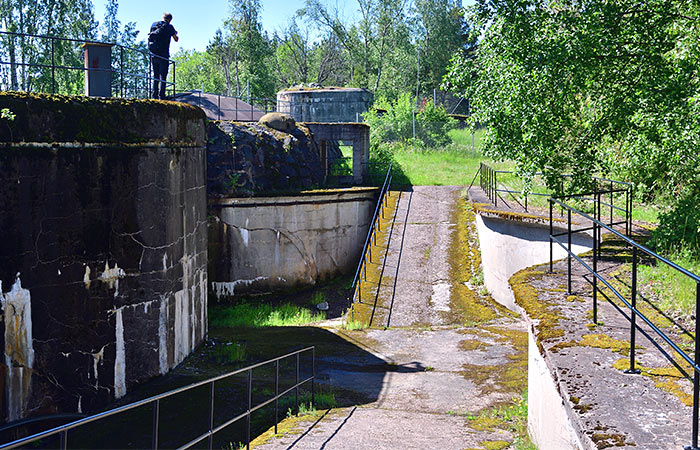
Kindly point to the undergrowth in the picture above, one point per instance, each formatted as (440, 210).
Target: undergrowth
(676, 292)
(262, 315)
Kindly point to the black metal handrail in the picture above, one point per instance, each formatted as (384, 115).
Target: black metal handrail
(597, 226)
(371, 235)
(62, 430)
(122, 88)
(255, 104)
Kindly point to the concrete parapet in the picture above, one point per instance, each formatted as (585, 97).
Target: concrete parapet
(103, 253)
(263, 244)
(325, 104)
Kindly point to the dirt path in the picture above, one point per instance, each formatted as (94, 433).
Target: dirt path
(454, 360)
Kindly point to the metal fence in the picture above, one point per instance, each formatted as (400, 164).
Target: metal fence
(155, 403)
(375, 225)
(655, 334)
(38, 63)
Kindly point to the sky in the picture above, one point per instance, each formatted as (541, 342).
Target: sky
(196, 21)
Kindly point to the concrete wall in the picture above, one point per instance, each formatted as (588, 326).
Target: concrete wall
(357, 133)
(509, 246)
(103, 281)
(325, 104)
(264, 244)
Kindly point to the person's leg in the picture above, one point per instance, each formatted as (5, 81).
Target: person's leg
(164, 72)
(155, 65)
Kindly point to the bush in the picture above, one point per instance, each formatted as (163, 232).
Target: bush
(395, 123)
(679, 228)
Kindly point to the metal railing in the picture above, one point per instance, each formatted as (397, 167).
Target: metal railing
(33, 63)
(155, 401)
(375, 225)
(489, 182)
(226, 107)
(631, 303)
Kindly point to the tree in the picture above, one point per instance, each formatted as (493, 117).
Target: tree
(607, 86)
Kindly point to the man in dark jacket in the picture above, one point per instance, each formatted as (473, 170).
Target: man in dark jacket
(159, 46)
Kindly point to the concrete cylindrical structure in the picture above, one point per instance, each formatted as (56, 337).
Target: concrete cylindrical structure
(327, 105)
(103, 281)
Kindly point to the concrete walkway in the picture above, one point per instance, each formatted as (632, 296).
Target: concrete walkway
(455, 355)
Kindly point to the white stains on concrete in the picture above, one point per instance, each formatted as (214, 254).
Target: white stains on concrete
(165, 260)
(182, 326)
(19, 350)
(163, 336)
(440, 300)
(80, 405)
(97, 361)
(245, 234)
(111, 275)
(228, 288)
(120, 358)
(277, 250)
(86, 277)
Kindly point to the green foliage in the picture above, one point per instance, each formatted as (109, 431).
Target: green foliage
(394, 122)
(6, 114)
(198, 70)
(227, 353)
(675, 292)
(261, 315)
(561, 93)
(679, 228)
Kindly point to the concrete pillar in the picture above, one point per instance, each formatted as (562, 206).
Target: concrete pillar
(360, 157)
(98, 73)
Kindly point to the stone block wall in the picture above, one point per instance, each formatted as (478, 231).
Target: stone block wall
(103, 281)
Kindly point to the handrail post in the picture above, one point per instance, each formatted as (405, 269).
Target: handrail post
(612, 201)
(569, 253)
(296, 388)
(313, 375)
(277, 391)
(250, 406)
(600, 229)
(633, 327)
(495, 188)
(64, 440)
(696, 374)
(156, 420)
(211, 415)
(53, 68)
(551, 233)
(595, 273)
(121, 72)
(627, 212)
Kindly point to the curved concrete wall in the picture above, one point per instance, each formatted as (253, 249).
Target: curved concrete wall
(264, 244)
(325, 105)
(508, 247)
(103, 280)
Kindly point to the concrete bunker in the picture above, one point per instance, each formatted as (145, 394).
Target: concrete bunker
(103, 257)
(324, 104)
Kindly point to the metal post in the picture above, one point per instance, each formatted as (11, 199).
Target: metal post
(174, 91)
(370, 251)
(313, 375)
(600, 229)
(612, 201)
(627, 212)
(696, 375)
(569, 253)
(551, 240)
(277, 391)
(64, 439)
(250, 406)
(595, 273)
(296, 388)
(53, 68)
(495, 188)
(211, 415)
(633, 328)
(629, 189)
(219, 107)
(121, 71)
(156, 419)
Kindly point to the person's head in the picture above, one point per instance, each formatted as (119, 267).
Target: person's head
(167, 17)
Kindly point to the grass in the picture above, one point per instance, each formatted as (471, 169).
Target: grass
(262, 315)
(229, 352)
(449, 167)
(675, 291)
(466, 138)
(512, 417)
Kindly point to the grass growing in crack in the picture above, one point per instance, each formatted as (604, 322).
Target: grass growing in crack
(512, 417)
(323, 399)
(261, 315)
(354, 325)
(230, 352)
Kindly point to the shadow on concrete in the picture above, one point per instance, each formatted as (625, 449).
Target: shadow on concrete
(346, 370)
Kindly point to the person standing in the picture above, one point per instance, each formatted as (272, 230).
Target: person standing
(159, 47)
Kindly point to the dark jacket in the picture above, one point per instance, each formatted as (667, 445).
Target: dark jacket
(161, 47)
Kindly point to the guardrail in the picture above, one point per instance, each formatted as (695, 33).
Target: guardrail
(631, 303)
(155, 401)
(375, 225)
(30, 62)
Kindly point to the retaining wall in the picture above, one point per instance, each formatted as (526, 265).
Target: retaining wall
(262, 244)
(103, 281)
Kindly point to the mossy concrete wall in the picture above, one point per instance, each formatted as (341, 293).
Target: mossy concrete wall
(260, 244)
(103, 281)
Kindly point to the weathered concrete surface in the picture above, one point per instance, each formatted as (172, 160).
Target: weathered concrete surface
(264, 244)
(324, 104)
(103, 253)
(327, 135)
(585, 363)
(446, 370)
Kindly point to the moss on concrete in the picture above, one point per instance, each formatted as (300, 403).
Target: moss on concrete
(495, 445)
(666, 378)
(545, 314)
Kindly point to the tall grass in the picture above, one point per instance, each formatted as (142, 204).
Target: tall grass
(261, 315)
(432, 167)
(675, 291)
(467, 138)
